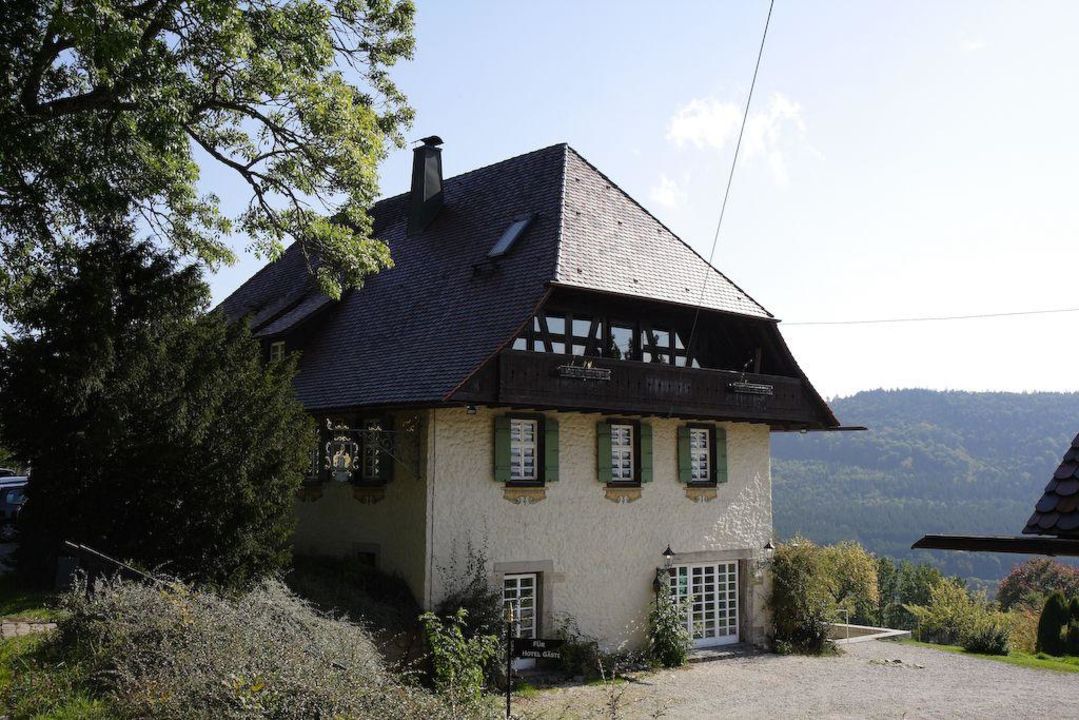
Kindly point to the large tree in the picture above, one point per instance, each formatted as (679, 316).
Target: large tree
(156, 432)
(107, 107)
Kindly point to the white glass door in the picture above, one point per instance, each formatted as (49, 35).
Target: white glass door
(712, 589)
(519, 592)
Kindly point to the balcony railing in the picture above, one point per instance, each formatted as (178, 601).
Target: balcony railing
(536, 379)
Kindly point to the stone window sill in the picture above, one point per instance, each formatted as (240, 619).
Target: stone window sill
(524, 494)
(622, 494)
(701, 493)
(368, 494)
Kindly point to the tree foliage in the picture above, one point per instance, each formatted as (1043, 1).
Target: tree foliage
(900, 584)
(154, 430)
(852, 580)
(107, 105)
(1030, 582)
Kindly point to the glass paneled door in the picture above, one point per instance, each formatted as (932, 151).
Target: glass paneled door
(712, 589)
(519, 591)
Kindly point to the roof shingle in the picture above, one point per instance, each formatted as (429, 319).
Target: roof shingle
(1057, 512)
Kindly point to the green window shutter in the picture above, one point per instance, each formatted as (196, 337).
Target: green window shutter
(720, 455)
(684, 464)
(603, 451)
(502, 449)
(646, 453)
(550, 450)
(385, 460)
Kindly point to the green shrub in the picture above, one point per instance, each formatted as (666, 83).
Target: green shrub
(580, 653)
(344, 586)
(988, 634)
(458, 661)
(801, 603)
(171, 653)
(669, 641)
(1051, 626)
(950, 615)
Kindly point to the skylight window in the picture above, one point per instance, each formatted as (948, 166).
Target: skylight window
(506, 242)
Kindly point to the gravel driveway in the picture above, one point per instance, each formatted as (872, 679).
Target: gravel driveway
(861, 683)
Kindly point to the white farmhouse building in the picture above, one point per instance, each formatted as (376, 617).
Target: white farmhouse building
(550, 374)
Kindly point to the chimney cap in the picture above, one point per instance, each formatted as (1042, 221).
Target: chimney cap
(431, 141)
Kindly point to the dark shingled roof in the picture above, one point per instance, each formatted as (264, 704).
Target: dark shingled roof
(413, 332)
(1057, 513)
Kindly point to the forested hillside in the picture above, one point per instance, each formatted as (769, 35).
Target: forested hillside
(949, 462)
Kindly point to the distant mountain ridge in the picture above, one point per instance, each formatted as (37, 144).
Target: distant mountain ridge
(932, 461)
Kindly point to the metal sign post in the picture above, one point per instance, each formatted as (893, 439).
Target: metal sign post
(509, 656)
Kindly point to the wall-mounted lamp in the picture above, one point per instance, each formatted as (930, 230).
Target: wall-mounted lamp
(768, 551)
(470, 409)
(668, 557)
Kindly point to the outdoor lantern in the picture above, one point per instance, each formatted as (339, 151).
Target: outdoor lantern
(668, 557)
(769, 550)
(470, 409)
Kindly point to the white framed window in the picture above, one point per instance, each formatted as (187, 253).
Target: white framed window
(700, 455)
(277, 350)
(519, 592)
(524, 435)
(371, 462)
(622, 460)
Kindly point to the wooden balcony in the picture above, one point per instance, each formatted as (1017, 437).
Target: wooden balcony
(537, 380)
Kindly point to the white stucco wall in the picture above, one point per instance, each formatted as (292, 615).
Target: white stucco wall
(394, 528)
(600, 556)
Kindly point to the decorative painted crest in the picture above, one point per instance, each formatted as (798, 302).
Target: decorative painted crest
(342, 452)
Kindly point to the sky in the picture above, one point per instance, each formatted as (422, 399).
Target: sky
(900, 160)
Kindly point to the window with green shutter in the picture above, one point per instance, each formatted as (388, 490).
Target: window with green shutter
(525, 449)
(702, 455)
(603, 451)
(624, 452)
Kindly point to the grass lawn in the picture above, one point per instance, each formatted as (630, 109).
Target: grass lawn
(1022, 659)
(18, 601)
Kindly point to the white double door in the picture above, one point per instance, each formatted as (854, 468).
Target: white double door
(712, 592)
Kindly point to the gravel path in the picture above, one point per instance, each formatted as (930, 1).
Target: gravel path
(862, 683)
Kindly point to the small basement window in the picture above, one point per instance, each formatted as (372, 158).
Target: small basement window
(509, 237)
(277, 350)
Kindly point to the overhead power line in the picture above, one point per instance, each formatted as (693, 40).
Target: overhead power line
(730, 176)
(938, 318)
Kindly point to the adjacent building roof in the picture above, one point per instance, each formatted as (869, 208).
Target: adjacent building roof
(415, 331)
(1057, 513)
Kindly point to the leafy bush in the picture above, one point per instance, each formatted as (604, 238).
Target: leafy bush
(988, 633)
(951, 615)
(155, 430)
(459, 662)
(343, 586)
(1051, 626)
(800, 602)
(468, 587)
(669, 641)
(1024, 629)
(851, 575)
(580, 653)
(1029, 583)
(168, 652)
(901, 584)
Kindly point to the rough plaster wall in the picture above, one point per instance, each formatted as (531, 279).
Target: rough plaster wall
(604, 554)
(337, 524)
